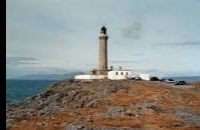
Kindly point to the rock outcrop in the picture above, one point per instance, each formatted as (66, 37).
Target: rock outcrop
(108, 105)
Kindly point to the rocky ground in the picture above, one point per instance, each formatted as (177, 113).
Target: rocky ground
(108, 105)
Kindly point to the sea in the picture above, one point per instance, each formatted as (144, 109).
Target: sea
(17, 90)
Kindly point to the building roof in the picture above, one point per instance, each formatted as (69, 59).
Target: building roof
(119, 70)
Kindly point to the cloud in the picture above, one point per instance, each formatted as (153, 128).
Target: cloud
(152, 71)
(186, 43)
(133, 31)
(138, 54)
(57, 30)
(13, 61)
(124, 61)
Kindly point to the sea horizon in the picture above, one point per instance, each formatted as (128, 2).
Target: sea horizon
(19, 89)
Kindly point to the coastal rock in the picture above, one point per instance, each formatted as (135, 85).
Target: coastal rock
(83, 127)
(107, 105)
(188, 117)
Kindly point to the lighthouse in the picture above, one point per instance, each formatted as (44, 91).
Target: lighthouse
(103, 55)
(102, 71)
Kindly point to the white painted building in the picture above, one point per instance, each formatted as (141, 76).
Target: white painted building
(119, 74)
(145, 76)
(112, 75)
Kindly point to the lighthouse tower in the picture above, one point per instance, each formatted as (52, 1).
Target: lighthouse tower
(102, 71)
(103, 57)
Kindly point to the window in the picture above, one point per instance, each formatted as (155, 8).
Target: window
(121, 73)
(116, 73)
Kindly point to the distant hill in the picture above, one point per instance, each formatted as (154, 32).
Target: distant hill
(185, 78)
(49, 76)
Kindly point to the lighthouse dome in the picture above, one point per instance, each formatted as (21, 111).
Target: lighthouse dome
(103, 30)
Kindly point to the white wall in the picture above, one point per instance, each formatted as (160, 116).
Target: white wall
(90, 77)
(122, 74)
(98, 76)
(82, 77)
(145, 76)
(114, 76)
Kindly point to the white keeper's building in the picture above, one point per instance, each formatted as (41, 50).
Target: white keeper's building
(119, 74)
(113, 74)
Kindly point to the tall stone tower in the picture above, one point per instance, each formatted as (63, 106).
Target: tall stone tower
(103, 63)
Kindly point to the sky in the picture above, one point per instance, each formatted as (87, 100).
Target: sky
(160, 37)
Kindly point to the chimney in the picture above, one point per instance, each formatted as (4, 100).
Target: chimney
(111, 67)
